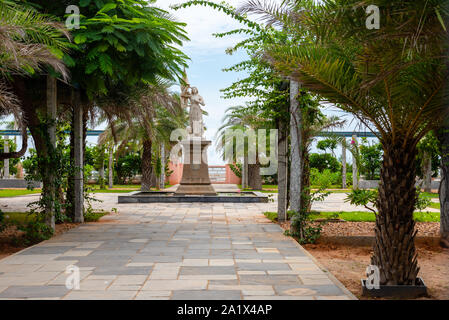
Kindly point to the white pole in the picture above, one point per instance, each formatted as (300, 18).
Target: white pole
(355, 180)
(6, 161)
(343, 163)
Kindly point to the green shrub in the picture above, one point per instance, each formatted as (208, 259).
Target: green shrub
(325, 179)
(36, 232)
(323, 162)
(363, 198)
(422, 201)
(371, 159)
(366, 197)
(2, 221)
(305, 232)
(273, 216)
(91, 216)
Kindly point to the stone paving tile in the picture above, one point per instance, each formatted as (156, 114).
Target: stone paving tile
(209, 277)
(31, 279)
(195, 262)
(262, 266)
(131, 280)
(19, 268)
(269, 279)
(34, 292)
(146, 295)
(212, 270)
(47, 250)
(158, 285)
(62, 277)
(171, 251)
(322, 290)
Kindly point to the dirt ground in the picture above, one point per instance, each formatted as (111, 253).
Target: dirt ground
(345, 249)
(10, 238)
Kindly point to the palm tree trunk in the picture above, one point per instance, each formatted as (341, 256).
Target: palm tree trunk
(306, 204)
(147, 166)
(153, 178)
(245, 175)
(40, 137)
(6, 161)
(254, 177)
(355, 170)
(79, 159)
(296, 148)
(70, 193)
(427, 174)
(110, 168)
(101, 173)
(282, 171)
(162, 177)
(443, 137)
(394, 249)
(343, 164)
(51, 114)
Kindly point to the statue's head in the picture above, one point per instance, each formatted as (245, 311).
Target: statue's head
(195, 90)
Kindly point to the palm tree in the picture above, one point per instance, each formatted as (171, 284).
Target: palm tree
(443, 137)
(389, 85)
(152, 118)
(28, 44)
(245, 120)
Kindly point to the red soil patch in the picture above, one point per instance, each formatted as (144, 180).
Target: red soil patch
(345, 250)
(10, 238)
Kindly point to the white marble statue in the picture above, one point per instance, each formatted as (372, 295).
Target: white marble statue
(190, 98)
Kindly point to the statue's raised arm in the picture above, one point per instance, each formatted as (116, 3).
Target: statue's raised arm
(185, 92)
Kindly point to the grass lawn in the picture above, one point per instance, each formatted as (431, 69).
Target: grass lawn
(360, 216)
(266, 188)
(5, 193)
(94, 216)
(431, 195)
(435, 205)
(113, 190)
(120, 188)
(23, 217)
(18, 217)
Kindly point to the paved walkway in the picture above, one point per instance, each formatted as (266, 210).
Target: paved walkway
(171, 251)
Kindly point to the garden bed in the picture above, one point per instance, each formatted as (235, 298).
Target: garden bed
(345, 250)
(12, 239)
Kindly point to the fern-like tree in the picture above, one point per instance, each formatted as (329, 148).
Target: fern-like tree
(154, 114)
(443, 137)
(120, 45)
(234, 138)
(30, 44)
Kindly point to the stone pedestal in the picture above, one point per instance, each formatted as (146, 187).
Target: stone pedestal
(195, 175)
